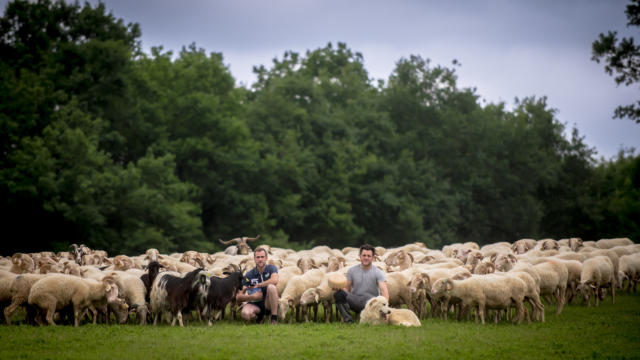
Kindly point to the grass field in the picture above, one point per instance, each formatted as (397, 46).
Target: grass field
(608, 331)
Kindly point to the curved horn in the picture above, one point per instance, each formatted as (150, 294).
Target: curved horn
(228, 242)
(253, 239)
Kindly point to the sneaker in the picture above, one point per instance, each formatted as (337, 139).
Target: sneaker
(274, 322)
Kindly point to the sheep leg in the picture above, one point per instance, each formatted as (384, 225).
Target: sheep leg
(613, 294)
(315, 312)
(8, 311)
(328, 310)
(50, 311)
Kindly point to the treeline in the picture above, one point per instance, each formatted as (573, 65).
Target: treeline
(105, 145)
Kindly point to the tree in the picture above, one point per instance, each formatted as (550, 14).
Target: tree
(621, 57)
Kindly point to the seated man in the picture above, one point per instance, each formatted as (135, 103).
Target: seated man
(260, 286)
(364, 282)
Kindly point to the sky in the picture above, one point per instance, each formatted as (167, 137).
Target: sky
(507, 48)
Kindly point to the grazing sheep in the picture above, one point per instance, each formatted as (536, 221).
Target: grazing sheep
(597, 273)
(57, 291)
(134, 292)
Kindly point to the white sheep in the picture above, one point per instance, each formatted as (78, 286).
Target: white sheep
(629, 269)
(323, 293)
(609, 243)
(133, 291)
(57, 291)
(553, 281)
(19, 292)
(482, 292)
(597, 273)
(293, 291)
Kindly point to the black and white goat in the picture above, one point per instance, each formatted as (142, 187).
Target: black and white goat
(173, 293)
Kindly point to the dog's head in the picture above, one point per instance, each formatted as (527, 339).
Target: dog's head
(380, 305)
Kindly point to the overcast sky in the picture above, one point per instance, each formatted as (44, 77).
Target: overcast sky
(507, 48)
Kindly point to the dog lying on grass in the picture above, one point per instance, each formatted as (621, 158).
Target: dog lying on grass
(378, 312)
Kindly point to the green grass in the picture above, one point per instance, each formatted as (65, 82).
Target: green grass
(608, 331)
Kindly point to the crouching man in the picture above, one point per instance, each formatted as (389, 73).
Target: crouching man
(364, 281)
(259, 290)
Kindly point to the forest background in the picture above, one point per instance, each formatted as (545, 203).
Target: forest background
(106, 145)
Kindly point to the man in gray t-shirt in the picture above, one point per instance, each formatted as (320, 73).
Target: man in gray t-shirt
(364, 282)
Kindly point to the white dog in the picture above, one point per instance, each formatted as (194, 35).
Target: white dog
(378, 312)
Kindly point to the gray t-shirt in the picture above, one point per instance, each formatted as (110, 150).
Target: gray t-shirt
(365, 282)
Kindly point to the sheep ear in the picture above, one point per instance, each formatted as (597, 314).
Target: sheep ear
(107, 288)
(298, 263)
(493, 257)
(317, 297)
(449, 285)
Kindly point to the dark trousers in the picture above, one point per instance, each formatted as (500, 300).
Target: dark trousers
(348, 301)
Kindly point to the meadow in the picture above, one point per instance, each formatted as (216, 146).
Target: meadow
(606, 331)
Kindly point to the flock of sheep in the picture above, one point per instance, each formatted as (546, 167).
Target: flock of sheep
(511, 279)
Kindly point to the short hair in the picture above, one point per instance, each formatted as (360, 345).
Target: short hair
(369, 248)
(258, 249)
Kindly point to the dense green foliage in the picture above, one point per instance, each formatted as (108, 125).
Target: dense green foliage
(121, 150)
(622, 58)
(608, 331)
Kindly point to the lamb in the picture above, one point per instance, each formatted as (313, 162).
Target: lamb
(293, 291)
(57, 291)
(553, 281)
(597, 273)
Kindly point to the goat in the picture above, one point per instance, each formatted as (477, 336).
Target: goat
(175, 293)
(222, 291)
